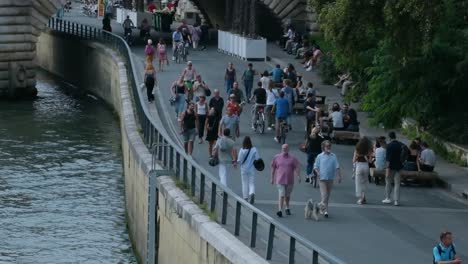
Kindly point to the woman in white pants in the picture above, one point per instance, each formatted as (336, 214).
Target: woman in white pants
(247, 155)
(226, 152)
(362, 156)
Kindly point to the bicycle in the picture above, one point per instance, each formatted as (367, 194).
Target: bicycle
(259, 123)
(283, 129)
(179, 50)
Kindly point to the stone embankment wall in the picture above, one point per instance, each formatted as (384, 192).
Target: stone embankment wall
(21, 23)
(186, 235)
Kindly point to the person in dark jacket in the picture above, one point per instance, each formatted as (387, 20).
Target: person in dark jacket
(106, 23)
(313, 148)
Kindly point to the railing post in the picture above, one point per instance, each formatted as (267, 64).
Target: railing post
(202, 188)
(271, 237)
(160, 145)
(165, 153)
(81, 30)
(292, 249)
(237, 222)
(185, 171)
(315, 257)
(253, 233)
(213, 197)
(193, 181)
(177, 169)
(171, 157)
(224, 209)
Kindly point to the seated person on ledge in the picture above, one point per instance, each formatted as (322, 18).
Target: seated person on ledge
(337, 117)
(427, 158)
(350, 120)
(411, 163)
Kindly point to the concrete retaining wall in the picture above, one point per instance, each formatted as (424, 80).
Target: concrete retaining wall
(187, 235)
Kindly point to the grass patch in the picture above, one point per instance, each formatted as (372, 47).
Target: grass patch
(455, 157)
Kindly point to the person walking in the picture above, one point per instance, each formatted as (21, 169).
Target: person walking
(394, 165)
(361, 158)
(283, 168)
(195, 31)
(265, 79)
(246, 157)
(289, 95)
(162, 54)
(230, 121)
(281, 113)
(445, 252)
(217, 102)
(106, 23)
(179, 90)
(200, 88)
(211, 128)
(188, 127)
(248, 78)
(327, 168)
(202, 110)
(229, 77)
(260, 96)
(188, 75)
(313, 149)
(272, 95)
(149, 51)
(227, 155)
(150, 80)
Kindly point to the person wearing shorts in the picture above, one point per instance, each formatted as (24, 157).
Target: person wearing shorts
(189, 126)
(283, 168)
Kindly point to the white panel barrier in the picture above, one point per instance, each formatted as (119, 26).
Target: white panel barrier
(243, 47)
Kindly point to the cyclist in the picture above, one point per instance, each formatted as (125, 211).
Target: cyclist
(127, 25)
(145, 28)
(281, 113)
(260, 102)
(188, 75)
(176, 39)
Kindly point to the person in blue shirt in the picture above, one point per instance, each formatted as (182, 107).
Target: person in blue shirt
(281, 112)
(444, 252)
(289, 95)
(277, 74)
(176, 38)
(326, 167)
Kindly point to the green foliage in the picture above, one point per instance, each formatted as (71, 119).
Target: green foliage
(409, 57)
(327, 69)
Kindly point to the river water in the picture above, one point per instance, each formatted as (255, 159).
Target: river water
(61, 181)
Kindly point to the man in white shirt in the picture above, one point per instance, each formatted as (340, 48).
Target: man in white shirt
(427, 158)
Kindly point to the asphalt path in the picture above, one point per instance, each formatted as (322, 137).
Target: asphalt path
(372, 233)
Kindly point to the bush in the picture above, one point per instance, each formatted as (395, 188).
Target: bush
(327, 69)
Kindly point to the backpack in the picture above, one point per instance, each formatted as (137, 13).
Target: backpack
(404, 153)
(452, 253)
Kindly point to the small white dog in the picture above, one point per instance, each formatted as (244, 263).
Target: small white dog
(312, 209)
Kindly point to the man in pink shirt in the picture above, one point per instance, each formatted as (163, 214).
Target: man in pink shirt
(283, 168)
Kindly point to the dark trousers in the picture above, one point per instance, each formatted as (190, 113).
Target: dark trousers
(310, 162)
(425, 167)
(149, 90)
(201, 125)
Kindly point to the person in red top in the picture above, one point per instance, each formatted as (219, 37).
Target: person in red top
(233, 105)
(283, 168)
(152, 7)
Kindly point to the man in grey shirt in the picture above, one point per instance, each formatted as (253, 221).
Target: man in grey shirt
(227, 154)
(427, 159)
(231, 122)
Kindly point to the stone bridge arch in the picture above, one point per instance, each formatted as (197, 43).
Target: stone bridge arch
(21, 23)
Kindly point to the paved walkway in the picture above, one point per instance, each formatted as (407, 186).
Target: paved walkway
(373, 233)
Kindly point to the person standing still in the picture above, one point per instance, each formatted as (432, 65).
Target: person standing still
(227, 155)
(248, 78)
(283, 168)
(327, 168)
(229, 77)
(246, 157)
(188, 127)
(362, 156)
(150, 80)
(393, 168)
(202, 110)
(162, 54)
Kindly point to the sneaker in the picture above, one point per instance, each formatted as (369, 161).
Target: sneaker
(253, 128)
(173, 58)
(270, 128)
(288, 212)
(279, 214)
(252, 198)
(325, 214)
(178, 119)
(276, 139)
(200, 141)
(396, 203)
(309, 68)
(387, 201)
(360, 201)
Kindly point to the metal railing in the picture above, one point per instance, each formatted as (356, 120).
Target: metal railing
(202, 186)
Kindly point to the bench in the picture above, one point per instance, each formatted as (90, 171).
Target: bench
(426, 177)
(319, 101)
(344, 135)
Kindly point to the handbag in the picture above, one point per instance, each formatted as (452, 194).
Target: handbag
(213, 161)
(259, 164)
(208, 92)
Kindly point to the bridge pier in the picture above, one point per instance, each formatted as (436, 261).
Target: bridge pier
(21, 23)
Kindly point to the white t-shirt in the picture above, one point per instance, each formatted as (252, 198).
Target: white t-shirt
(248, 164)
(428, 157)
(380, 155)
(265, 82)
(271, 96)
(337, 119)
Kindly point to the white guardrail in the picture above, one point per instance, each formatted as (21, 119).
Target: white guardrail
(242, 47)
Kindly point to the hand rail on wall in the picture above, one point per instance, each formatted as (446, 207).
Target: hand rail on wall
(204, 187)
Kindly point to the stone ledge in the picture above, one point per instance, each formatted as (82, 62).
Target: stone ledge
(213, 233)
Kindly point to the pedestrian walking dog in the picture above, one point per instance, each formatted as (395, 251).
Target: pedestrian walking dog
(312, 210)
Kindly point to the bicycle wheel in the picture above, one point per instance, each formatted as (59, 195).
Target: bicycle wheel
(283, 135)
(261, 123)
